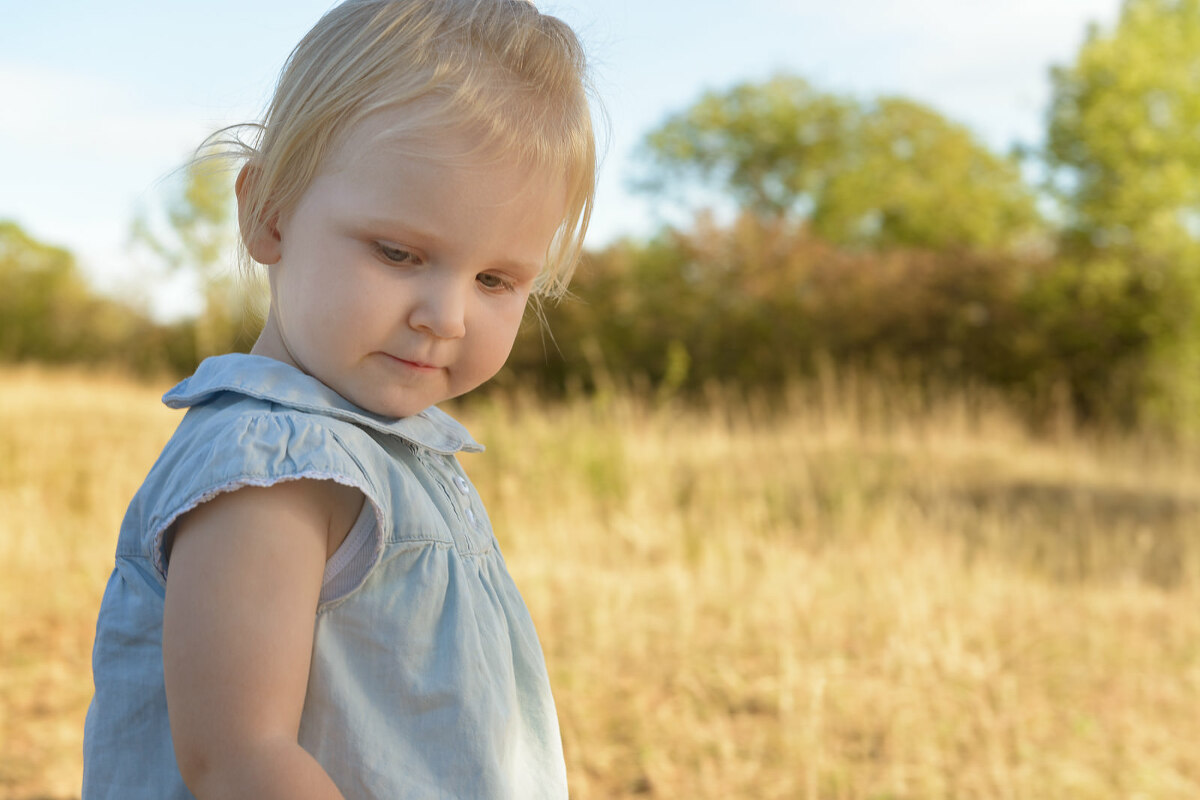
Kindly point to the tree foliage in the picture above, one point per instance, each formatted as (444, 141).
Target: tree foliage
(199, 235)
(43, 296)
(1123, 130)
(1124, 146)
(762, 302)
(889, 172)
(49, 313)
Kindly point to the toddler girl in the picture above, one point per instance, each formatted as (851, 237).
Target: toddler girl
(308, 600)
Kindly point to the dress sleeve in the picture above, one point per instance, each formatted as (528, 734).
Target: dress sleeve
(205, 460)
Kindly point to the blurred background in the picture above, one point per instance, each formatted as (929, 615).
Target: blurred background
(866, 453)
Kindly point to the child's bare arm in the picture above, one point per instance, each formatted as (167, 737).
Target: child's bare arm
(243, 585)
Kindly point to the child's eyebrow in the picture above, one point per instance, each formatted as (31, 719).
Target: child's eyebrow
(383, 225)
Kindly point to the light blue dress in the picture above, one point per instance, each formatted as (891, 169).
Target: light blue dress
(427, 678)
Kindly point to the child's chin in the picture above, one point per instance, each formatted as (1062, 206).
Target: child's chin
(397, 407)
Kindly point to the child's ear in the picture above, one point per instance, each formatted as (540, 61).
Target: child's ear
(259, 232)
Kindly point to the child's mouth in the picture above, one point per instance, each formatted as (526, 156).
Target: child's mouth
(413, 364)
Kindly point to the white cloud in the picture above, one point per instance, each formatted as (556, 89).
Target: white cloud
(982, 63)
(967, 24)
(78, 154)
(50, 110)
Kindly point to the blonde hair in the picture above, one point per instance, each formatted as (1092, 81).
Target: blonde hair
(499, 67)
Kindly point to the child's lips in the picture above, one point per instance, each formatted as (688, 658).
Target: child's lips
(413, 363)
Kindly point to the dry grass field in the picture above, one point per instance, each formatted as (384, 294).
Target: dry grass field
(853, 595)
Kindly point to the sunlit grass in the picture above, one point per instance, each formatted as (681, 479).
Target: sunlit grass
(851, 594)
(73, 449)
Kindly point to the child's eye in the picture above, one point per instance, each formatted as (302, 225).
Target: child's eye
(397, 255)
(494, 283)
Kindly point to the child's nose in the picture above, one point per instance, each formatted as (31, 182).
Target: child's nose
(440, 310)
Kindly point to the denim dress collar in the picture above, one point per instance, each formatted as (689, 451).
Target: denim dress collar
(274, 381)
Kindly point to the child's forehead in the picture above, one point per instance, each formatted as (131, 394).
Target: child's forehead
(381, 155)
(405, 133)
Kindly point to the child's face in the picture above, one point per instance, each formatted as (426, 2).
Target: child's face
(401, 282)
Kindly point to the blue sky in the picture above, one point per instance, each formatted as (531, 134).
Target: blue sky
(100, 101)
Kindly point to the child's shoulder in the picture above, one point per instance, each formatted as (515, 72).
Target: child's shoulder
(239, 434)
(239, 440)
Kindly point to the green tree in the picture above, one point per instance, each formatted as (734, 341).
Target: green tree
(1124, 156)
(49, 313)
(886, 172)
(43, 298)
(910, 177)
(199, 235)
(1123, 124)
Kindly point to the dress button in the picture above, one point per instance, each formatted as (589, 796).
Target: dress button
(471, 516)
(462, 484)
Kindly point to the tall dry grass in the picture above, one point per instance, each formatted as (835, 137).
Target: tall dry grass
(855, 593)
